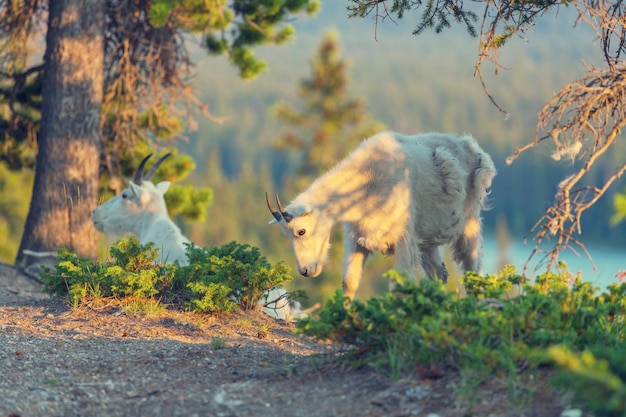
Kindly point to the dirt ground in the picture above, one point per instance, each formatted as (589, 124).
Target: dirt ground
(103, 361)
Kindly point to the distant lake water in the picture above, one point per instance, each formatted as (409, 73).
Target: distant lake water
(607, 259)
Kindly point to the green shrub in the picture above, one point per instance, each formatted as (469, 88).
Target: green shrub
(491, 286)
(213, 297)
(213, 280)
(424, 324)
(597, 377)
(232, 270)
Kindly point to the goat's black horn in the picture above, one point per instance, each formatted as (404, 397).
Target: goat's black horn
(288, 217)
(138, 178)
(150, 174)
(274, 212)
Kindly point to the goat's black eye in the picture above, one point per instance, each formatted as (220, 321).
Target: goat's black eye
(301, 232)
(124, 196)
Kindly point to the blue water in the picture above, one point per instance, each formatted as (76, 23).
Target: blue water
(608, 260)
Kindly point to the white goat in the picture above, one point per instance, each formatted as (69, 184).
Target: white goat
(397, 194)
(140, 209)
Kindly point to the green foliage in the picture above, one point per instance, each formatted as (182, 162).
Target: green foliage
(19, 115)
(188, 201)
(249, 66)
(217, 343)
(132, 273)
(424, 324)
(157, 122)
(619, 208)
(213, 297)
(13, 209)
(73, 275)
(232, 269)
(211, 282)
(437, 14)
(597, 377)
(159, 12)
(252, 23)
(491, 286)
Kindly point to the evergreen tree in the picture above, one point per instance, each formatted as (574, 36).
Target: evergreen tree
(328, 122)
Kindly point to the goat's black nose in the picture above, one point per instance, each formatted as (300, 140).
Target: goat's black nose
(304, 272)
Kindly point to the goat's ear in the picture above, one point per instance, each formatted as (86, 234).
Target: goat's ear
(163, 186)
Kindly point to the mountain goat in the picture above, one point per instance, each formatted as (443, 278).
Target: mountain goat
(397, 194)
(140, 209)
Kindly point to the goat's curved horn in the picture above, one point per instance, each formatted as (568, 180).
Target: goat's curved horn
(150, 174)
(138, 178)
(288, 217)
(274, 212)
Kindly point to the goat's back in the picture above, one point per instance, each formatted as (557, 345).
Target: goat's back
(449, 177)
(167, 237)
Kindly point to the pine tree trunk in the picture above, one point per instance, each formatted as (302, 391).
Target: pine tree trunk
(66, 177)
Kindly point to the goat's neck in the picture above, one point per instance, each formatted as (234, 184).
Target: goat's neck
(340, 193)
(145, 226)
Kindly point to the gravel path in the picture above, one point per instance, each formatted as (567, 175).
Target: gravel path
(99, 360)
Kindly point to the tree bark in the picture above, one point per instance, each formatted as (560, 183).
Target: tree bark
(65, 191)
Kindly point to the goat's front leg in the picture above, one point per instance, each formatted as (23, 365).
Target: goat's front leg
(406, 260)
(353, 261)
(432, 264)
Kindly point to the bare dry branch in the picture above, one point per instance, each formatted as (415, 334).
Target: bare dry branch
(583, 120)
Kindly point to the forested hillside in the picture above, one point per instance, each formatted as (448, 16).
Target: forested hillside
(411, 84)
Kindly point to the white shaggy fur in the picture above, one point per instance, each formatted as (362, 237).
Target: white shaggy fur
(140, 209)
(276, 304)
(397, 194)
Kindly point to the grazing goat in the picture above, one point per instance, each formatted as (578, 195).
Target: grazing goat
(397, 194)
(140, 209)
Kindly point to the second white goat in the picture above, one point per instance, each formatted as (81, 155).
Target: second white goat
(140, 209)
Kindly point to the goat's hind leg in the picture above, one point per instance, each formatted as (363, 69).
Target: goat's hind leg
(467, 249)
